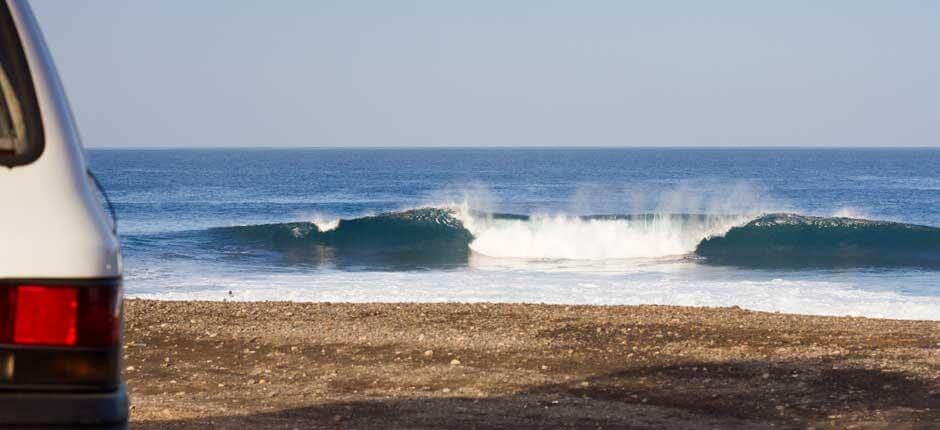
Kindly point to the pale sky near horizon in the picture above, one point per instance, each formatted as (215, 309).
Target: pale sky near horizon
(498, 73)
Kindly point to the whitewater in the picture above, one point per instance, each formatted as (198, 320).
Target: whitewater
(455, 226)
(591, 238)
(456, 254)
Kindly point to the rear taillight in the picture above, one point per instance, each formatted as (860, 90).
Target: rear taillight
(60, 315)
(45, 315)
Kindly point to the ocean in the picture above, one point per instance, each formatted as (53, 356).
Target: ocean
(810, 231)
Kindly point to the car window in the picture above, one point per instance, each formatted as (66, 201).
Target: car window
(12, 128)
(21, 139)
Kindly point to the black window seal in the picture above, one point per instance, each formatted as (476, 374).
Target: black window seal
(13, 58)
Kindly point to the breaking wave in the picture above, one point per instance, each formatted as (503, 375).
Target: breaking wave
(790, 240)
(447, 236)
(411, 238)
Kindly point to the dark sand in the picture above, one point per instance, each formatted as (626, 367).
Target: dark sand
(314, 365)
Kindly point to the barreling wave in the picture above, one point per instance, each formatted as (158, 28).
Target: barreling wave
(441, 237)
(790, 240)
(412, 238)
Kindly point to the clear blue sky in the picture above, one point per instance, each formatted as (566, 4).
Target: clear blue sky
(499, 73)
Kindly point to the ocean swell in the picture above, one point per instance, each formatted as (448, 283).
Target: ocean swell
(413, 238)
(442, 237)
(791, 240)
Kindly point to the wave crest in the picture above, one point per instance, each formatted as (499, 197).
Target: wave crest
(447, 237)
(410, 238)
(791, 240)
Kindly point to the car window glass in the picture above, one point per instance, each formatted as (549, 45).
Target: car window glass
(12, 127)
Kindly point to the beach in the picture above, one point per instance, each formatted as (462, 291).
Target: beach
(522, 215)
(452, 365)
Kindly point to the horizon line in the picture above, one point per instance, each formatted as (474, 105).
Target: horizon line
(419, 147)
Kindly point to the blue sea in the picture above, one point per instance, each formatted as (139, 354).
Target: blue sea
(810, 231)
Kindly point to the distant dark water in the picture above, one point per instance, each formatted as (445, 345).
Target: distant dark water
(648, 225)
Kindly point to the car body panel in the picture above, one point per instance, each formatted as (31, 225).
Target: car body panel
(55, 233)
(65, 409)
(51, 222)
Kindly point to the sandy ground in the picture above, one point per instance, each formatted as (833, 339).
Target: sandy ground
(321, 365)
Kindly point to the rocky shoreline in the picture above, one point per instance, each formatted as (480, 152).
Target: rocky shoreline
(342, 365)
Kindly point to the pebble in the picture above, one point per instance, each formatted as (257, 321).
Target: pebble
(500, 344)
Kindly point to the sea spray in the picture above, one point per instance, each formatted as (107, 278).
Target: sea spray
(325, 224)
(594, 237)
(661, 225)
(445, 237)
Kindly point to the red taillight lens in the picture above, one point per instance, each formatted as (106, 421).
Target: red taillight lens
(45, 315)
(59, 315)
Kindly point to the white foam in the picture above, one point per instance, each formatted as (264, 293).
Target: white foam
(850, 212)
(575, 238)
(325, 224)
(675, 283)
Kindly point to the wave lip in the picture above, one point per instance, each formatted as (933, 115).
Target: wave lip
(798, 241)
(445, 237)
(411, 238)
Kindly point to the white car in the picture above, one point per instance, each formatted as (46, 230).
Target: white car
(60, 263)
